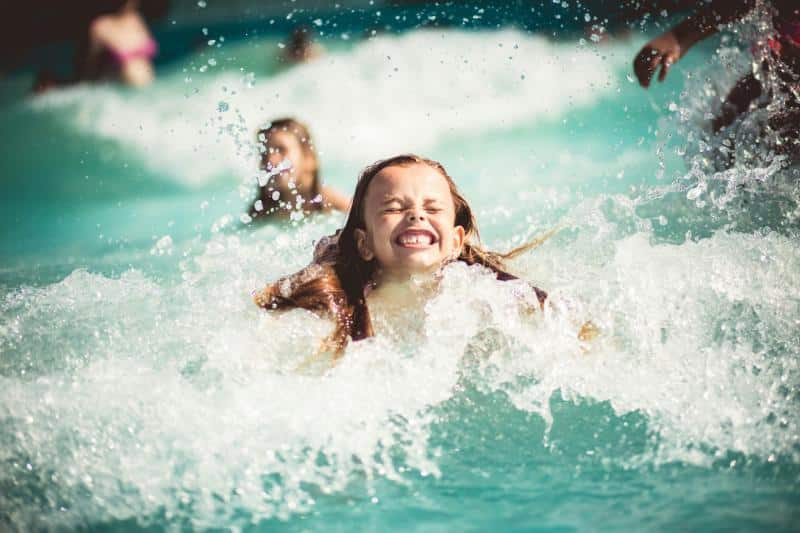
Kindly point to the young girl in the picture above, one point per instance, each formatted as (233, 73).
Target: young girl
(406, 221)
(293, 184)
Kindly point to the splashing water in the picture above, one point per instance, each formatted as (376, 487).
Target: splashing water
(139, 386)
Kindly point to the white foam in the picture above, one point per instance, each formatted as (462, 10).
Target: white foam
(149, 394)
(390, 94)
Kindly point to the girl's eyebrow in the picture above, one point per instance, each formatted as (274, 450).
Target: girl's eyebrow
(389, 198)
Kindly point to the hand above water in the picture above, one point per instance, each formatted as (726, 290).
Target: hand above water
(664, 50)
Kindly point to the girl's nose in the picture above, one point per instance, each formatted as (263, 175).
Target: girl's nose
(416, 216)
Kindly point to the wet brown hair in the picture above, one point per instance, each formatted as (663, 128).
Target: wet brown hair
(299, 131)
(335, 281)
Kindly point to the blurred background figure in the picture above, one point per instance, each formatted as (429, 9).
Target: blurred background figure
(119, 45)
(777, 58)
(301, 47)
(112, 42)
(292, 182)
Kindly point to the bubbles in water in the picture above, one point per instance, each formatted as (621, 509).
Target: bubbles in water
(163, 246)
(217, 413)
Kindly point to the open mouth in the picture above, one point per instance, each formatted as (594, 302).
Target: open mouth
(282, 166)
(415, 238)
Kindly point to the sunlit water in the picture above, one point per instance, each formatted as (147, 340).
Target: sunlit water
(139, 385)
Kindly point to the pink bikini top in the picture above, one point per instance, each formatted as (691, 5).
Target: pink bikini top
(147, 50)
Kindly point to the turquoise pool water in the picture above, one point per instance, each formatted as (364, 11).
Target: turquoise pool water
(140, 388)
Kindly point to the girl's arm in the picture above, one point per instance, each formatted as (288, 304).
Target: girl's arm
(672, 45)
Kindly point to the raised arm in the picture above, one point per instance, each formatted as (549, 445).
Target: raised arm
(672, 45)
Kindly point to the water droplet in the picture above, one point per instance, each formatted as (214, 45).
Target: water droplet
(163, 246)
(276, 196)
(222, 106)
(201, 3)
(695, 192)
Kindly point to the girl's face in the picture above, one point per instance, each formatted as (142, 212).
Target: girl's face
(285, 151)
(409, 220)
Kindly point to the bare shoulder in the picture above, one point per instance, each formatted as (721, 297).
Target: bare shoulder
(335, 199)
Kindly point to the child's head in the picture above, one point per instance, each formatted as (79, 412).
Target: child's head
(407, 217)
(288, 155)
(301, 45)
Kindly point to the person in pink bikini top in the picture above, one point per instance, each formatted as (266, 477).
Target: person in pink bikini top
(148, 51)
(121, 46)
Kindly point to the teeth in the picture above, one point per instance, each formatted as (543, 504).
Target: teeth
(416, 238)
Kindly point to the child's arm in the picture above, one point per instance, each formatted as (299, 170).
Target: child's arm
(263, 298)
(335, 199)
(672, 45)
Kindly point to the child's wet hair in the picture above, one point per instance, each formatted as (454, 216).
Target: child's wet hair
(336, 280)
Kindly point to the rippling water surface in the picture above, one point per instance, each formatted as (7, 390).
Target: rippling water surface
(140, 387)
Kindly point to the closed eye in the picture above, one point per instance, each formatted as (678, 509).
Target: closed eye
(392, 206)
